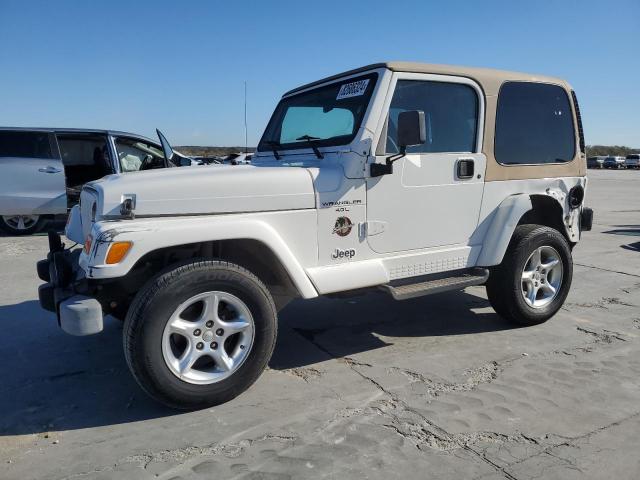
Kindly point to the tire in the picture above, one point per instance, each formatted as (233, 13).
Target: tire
(150, 355)
(506, 284)
(21, 224)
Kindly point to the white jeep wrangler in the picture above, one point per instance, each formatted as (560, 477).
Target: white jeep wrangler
(409, 178)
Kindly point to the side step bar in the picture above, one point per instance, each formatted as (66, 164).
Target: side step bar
(475, 276)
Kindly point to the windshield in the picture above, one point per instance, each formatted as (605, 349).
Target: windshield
(325, 116)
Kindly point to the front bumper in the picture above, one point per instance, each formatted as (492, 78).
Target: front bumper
(66, 291)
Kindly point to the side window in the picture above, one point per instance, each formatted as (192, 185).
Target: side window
(83, 150)
(85, 157)
(534, 124)
(134, 155)
(450, 112)
(25, 144)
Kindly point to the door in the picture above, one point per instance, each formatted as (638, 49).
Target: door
(433, 196)
(31, 177)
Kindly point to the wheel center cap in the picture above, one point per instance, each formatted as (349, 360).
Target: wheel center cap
(207, 336)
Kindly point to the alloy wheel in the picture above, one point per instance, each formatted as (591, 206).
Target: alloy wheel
(208, 337)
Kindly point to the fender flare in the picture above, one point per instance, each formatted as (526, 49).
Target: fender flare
(505, 220)
(148, 236)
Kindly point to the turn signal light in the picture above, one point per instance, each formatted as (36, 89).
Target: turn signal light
(117, 251)
(87, 244)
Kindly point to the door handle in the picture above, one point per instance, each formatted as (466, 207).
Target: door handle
(465, 168)
(49, 169)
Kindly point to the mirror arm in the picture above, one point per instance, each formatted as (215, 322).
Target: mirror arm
(397, 156)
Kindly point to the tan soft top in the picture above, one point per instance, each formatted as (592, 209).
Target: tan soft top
(489, 79)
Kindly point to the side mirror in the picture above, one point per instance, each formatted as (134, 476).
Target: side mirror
(411, 129)
(185, 162)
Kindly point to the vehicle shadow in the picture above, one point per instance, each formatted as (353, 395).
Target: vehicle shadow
(627, 230)
(342, 327)
(53, 381)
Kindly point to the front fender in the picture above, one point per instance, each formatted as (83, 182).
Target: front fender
(148, 235)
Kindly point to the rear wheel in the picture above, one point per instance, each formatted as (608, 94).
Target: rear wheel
(533, 280)
(200, 334)
(21, 224)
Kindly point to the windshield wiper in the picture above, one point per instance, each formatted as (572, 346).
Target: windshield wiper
(314, 147)
(273, 144)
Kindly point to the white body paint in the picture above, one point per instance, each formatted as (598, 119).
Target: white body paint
(418, 220)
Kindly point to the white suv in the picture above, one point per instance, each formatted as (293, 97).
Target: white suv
(410, 178)
(42, 170)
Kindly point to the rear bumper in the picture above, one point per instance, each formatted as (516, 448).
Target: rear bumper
(66, 291)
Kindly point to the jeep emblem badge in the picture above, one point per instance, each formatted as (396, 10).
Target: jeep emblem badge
(343, 226)
(349, 253)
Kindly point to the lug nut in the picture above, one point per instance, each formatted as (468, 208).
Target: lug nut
(241, 347)
(219, 332)
(214, 345)
(197, 332)
(209, 324)
(200, 346)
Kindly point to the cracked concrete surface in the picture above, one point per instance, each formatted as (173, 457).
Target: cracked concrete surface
(361, 388)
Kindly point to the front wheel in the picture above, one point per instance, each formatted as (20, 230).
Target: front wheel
(533, 280)
(200, 334)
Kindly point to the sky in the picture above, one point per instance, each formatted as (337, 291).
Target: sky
(181, 65)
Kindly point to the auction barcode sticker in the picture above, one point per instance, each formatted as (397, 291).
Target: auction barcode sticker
(353, 89)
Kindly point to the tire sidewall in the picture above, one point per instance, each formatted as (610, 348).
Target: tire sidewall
(172, 289)
(543, 236)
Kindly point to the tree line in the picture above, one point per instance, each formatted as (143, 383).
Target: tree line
(608, 150)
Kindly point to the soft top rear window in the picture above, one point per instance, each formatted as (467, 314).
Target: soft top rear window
(25, 144)
(534, 124)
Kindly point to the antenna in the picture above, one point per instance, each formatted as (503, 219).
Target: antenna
(245, 117)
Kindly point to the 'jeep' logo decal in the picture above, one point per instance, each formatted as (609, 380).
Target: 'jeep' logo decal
(350, 253)
(343, 226)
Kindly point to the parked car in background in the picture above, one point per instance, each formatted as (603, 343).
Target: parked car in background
(238, 158)
(614, 162)
(632, 161)
(207, 160)
(595, 162)
(42, 170)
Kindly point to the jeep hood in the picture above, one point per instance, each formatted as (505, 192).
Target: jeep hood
(205, 190)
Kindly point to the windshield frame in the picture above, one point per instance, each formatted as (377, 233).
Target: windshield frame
(336, 141)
